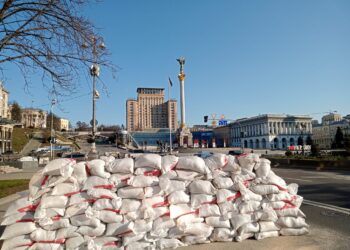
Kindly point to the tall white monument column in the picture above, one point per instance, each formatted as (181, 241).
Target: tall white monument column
(185, 135)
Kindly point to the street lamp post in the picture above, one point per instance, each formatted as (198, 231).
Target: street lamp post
(97, 44)
(53, 102)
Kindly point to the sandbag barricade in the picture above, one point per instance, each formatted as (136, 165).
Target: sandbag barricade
(152, 202)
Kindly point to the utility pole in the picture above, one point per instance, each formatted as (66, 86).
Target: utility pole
(53, 102)
(94, 72)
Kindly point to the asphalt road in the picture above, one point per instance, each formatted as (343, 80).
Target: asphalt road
(326, 187)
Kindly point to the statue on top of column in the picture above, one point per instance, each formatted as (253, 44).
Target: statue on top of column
(181, 61)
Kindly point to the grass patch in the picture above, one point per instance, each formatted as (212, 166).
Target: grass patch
(20, 138)
(8, 187)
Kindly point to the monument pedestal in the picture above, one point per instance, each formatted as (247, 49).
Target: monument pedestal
(185, 137)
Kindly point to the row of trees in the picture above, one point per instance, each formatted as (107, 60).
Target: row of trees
(83, 126)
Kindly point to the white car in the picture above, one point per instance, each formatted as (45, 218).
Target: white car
(28, 158)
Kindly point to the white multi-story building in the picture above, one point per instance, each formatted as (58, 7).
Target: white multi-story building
(6, 125)
(34, 118)
(270, 131)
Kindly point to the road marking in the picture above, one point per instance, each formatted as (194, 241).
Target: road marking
(327, 206)
(297, 179)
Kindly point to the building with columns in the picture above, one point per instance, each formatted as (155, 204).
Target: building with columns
(34, 118)
(270, 131)
(324, 134)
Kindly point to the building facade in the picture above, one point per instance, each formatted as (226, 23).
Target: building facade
(6, 125)
(270, 131)
(150, 111)
(63, 124)
(34, 118)
(324, 134)
(222, 136)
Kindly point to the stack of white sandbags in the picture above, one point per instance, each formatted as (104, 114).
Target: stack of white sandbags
(152, 202)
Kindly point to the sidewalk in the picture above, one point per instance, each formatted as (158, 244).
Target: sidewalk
(27, 173)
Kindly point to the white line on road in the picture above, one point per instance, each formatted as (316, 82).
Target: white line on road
(297, 179)
(327, 206)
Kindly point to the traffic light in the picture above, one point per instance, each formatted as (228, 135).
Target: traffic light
(205, 118)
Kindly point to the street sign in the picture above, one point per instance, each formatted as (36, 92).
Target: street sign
(222, 122)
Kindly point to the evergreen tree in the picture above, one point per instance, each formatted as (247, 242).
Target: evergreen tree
(339, 138)
(16, 112)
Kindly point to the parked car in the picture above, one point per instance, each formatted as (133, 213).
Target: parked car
(235, 152)
(76, 156)
(204, 154)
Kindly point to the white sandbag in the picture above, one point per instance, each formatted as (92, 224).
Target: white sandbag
(208, 210)
(264, 189)
(247, 195)
(247, 207)
(161, 226)
(61, 166)
(290, 212)
(75, 242)
(272, 178)
(120, 229)
(178, 197)
(223, 182)
(263, 235)
(143, 181)
(262, 168)
(97, 168)
(147, 171)
(189, 218)
(51, 225)
(247, 228)
(104, 242)
(239, 220)
(95, 182)
(224, 195)
(229, 208)
(180, 210)
(294, 231)
(276, 205)
(140, 245)
(42, 213)
(101, 193)
(222, 235)
(57, 179)
(293, 188)
(142, 226)
(281, 196)
(125, 165)
(86, 219)
(149, 160)
(153, 191)
(168, 163)
(200, 199)
(198, 229)
(153, 202)
(108, 159)
(66, 189)
(265, 215)
(202, 187)
(292, 222)
(102, 204)
(217, 221)
(18, 229)
(120, 179)
(65, 233)
(45, 246)
(108, 216)
(216, 161)
(192, 163)
(18, 217)
(57, 201)
(187, 175)
(169, 243)
(154, 213)
(79, 172)
(134, 215)
(131, 193)
(192, 240)
(43, 235)
(248, 161)
(12, 243)
(232, 165)
(127, 240)
(37, 185)
(76, 209)
(129, 205)
(92, 231)
(268, 226)
(168, 186)
(20, 206)
(242, 237)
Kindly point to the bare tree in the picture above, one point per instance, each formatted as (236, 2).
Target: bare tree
(46, 36)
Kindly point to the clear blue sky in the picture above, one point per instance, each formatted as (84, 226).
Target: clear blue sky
(243, 58)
